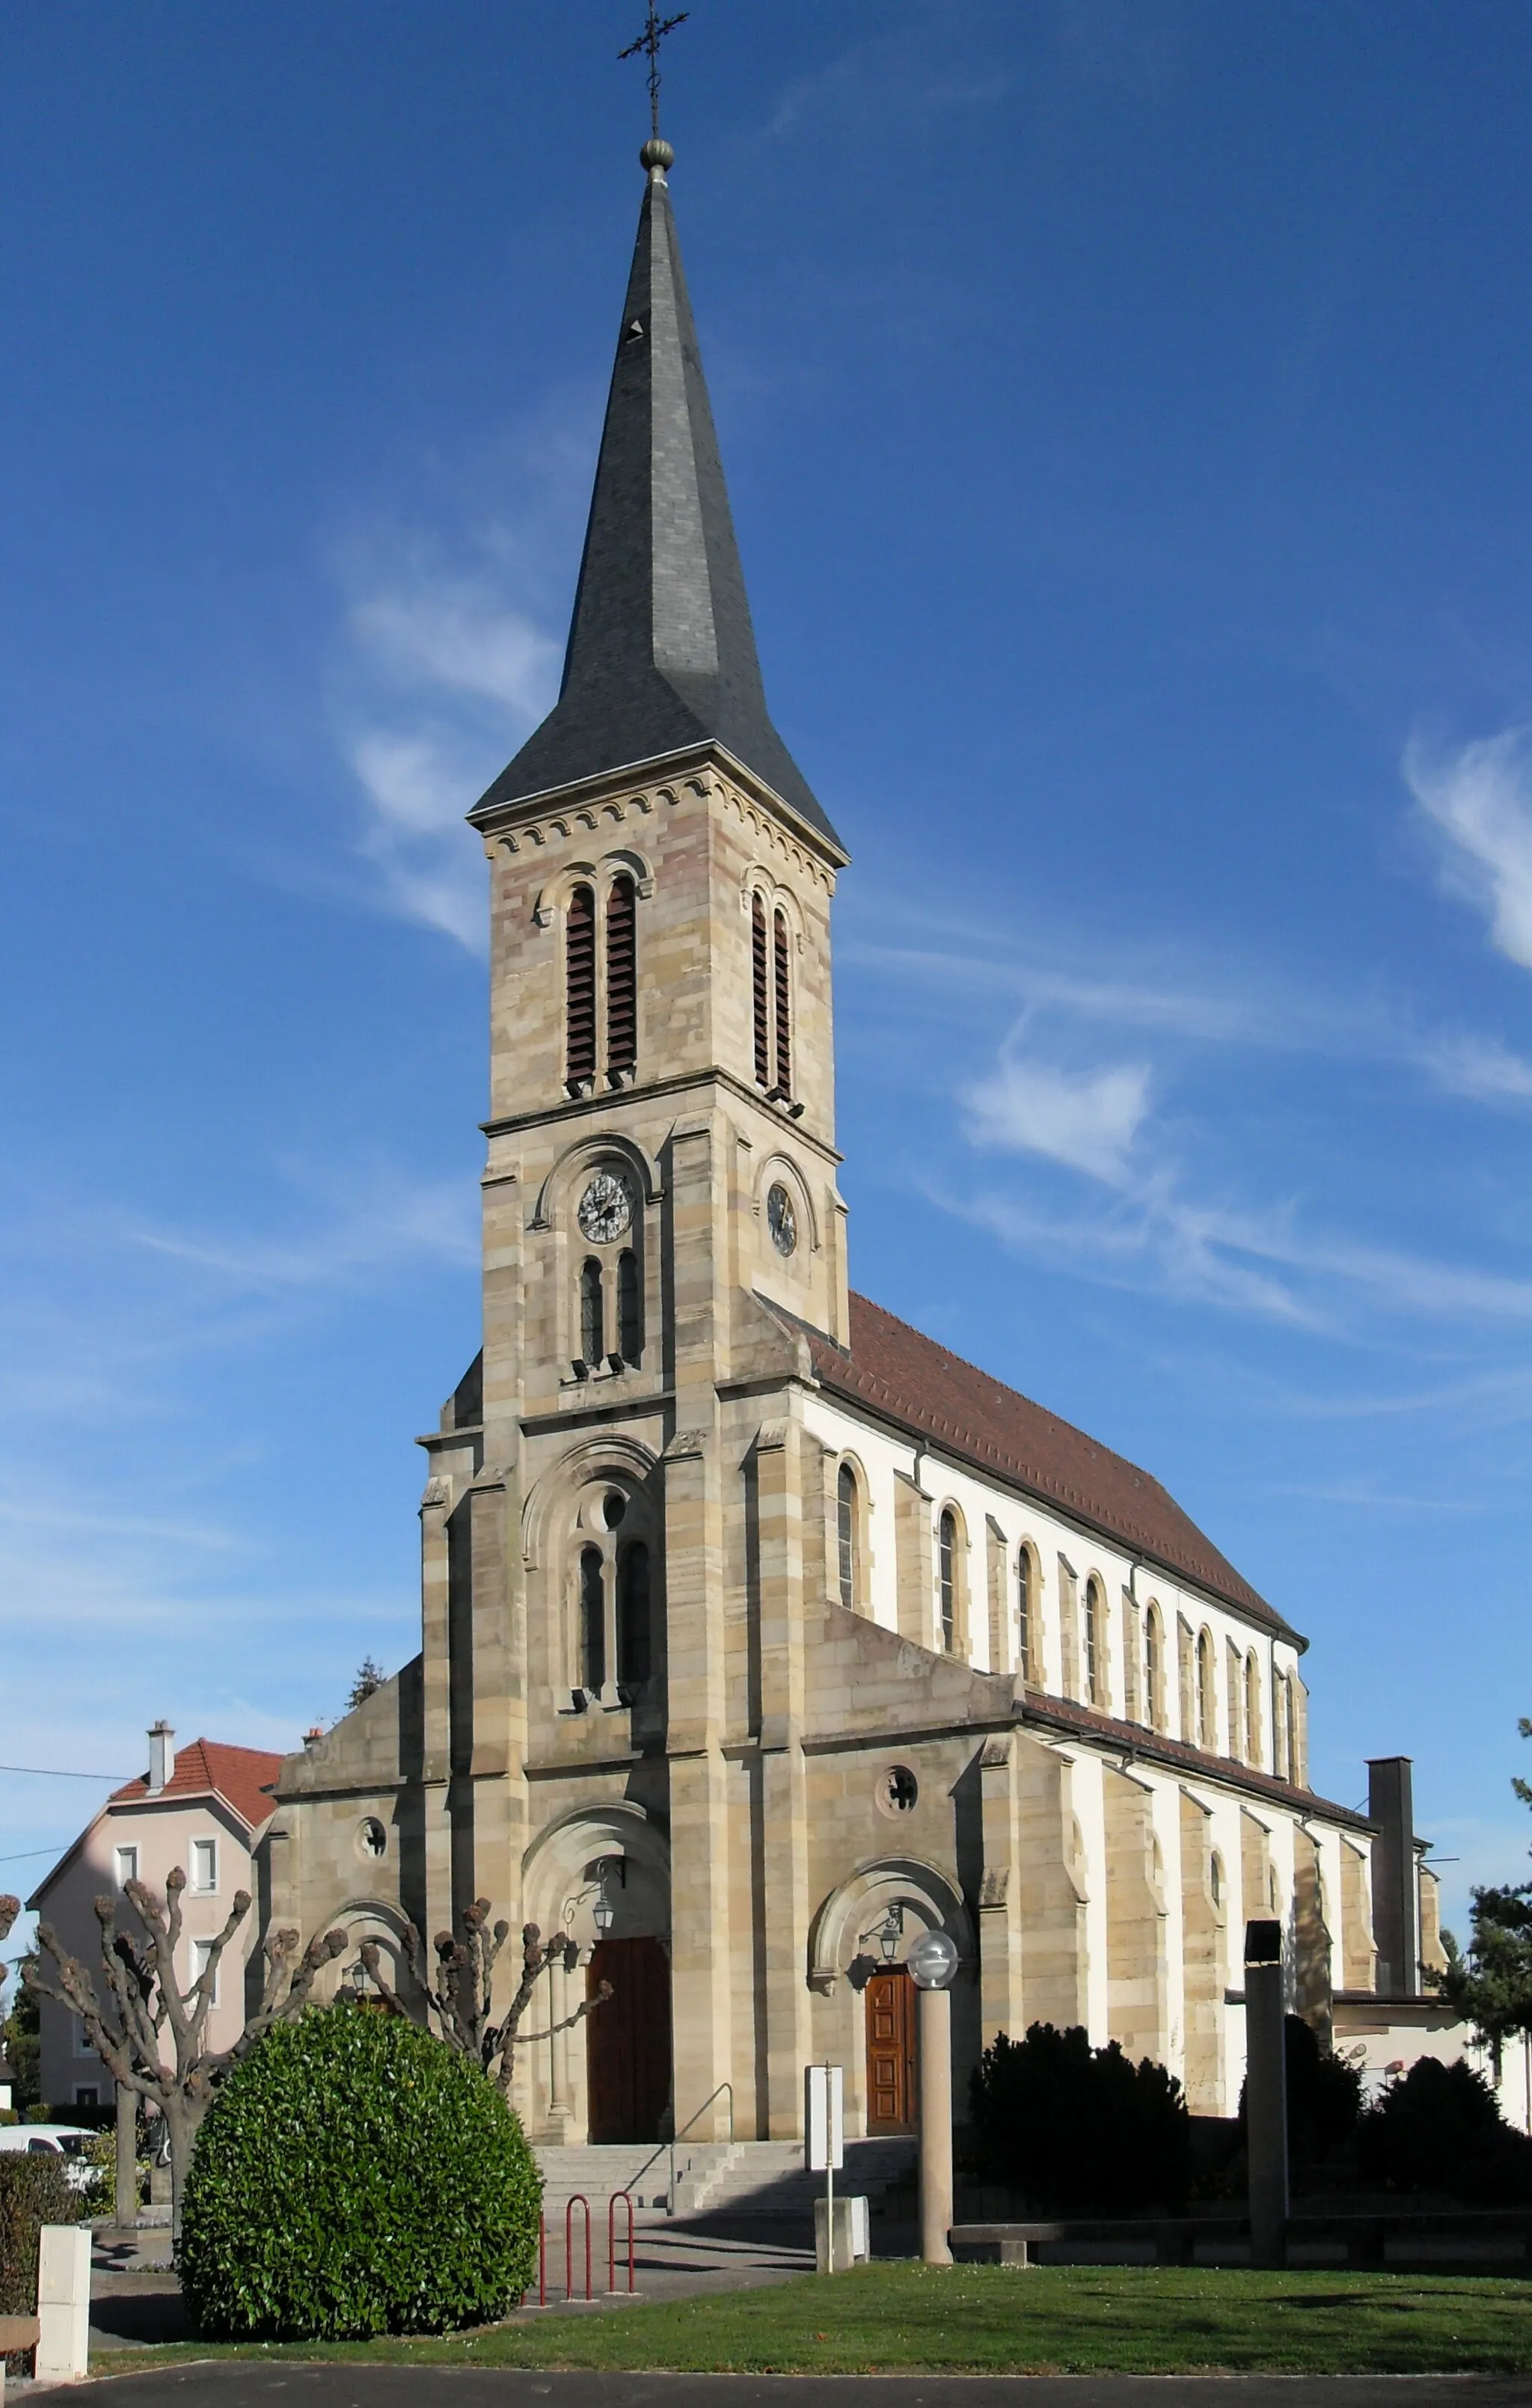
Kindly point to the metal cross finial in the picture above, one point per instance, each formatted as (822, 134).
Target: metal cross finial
(649, 43)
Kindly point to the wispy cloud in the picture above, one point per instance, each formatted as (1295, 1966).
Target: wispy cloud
(444, 679)
(396, 1225)
(1087, 1121)
(1480, 799)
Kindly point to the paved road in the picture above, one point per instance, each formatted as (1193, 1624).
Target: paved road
(236, 2385)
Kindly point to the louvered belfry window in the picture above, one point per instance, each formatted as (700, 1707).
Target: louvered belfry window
(785, 1024)
(760, 982)
(621, 976)
(579, 984)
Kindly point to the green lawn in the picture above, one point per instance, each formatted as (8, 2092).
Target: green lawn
(1066, 2319)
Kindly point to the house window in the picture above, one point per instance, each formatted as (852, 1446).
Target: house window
(1093, 1641)
(87, 2094)
(760, 992)
(621, 978)
(846, 1502)
(630, 1308)
(593, 1621)
(579, 987)
(202, 1951)
(633, 1632)
(1205, 1689)
(593, 1339)
(204, 1867)
(124, 1866)
(1153, 1669)
(947, 1569)
(783, 988)
(80, 2037)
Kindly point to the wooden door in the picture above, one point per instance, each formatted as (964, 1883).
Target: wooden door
(891, 2050)
(627, 2047)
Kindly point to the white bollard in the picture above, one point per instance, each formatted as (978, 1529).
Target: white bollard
(64, 2302)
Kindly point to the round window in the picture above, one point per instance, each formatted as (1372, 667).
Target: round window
(897, 1790)
(371, 1838)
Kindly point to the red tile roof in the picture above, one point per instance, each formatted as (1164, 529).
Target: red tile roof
(239, 1775)
(914, 1383)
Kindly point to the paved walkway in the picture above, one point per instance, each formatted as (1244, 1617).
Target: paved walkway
(134, 2298)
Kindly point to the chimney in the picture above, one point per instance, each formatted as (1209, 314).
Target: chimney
(162, 1756)
(1395, 1919)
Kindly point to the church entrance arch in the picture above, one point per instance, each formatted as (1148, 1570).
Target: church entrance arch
(600, 1875)
(889, 2006)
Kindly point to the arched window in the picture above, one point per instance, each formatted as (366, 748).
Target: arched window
(1282, 1699)
(947, 1566)
(1205, 1689)
(621, 976)
(845, 1506)
(593, 1621)
(630, 1308)
(593, 1342)
(760, 991)
(784, 1008)
(633, 1632)
(1025, 1612)
(1254, 1750)
(1093, 1641)
(1154, 1670)
(579, 986)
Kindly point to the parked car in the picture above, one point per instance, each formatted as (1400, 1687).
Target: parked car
(57, 2140)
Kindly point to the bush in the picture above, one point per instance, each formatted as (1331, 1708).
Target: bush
(1324, 2095)
(1440, 2127)
(1082, 2130)
(33, 2191)
(355, 2177)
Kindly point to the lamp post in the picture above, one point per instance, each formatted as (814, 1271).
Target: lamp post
(931, 1964)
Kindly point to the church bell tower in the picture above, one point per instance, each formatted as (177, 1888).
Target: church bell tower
(661, 1173)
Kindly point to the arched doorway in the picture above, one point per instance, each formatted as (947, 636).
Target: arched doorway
(889, 2006)
(627, 2044)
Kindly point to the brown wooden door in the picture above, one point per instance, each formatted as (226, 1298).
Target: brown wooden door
(628, 2048)
(891, 2050)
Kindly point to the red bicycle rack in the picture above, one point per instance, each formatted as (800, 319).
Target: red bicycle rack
(579, 2199)
(626, 2197)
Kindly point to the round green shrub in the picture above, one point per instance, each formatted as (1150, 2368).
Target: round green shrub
(355, 2177)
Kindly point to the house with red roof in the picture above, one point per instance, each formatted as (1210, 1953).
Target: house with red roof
(204, 1809)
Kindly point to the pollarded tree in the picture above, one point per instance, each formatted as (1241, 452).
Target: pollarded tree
(460, 1993)
(148, 2003)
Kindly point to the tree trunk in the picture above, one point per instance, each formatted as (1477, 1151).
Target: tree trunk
(125, 2206)
(183, 2120)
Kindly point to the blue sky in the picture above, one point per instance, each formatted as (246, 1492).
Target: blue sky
(1125, 404)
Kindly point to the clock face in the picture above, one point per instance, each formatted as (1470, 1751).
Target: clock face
(606, 1209)
(782, 1221)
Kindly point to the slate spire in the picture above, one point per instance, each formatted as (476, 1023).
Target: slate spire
(662, 652)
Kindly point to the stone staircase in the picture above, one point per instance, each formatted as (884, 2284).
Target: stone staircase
(713, 2178)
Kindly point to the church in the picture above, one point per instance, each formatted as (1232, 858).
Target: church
(760, 1634)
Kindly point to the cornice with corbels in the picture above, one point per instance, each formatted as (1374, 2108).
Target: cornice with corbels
(535, 835)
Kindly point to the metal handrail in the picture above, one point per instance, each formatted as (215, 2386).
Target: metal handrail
(670, 2202)
(671, 2144)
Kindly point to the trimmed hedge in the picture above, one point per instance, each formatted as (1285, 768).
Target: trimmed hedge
(355, 2177)
(33, 2191)
(1082, 2130)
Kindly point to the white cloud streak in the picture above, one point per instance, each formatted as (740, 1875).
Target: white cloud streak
(1480, 799)
(1087, 1122)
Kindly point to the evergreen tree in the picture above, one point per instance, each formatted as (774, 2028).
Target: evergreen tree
(1489, 1983)
(370, 1676)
